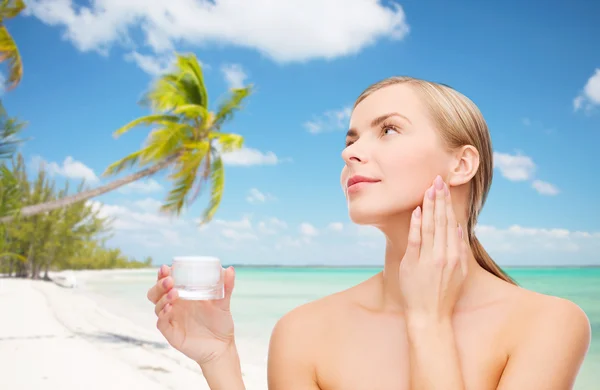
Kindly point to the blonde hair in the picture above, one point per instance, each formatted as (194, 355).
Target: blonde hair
(460, 123)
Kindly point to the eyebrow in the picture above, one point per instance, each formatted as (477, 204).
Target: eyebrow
(352, 132)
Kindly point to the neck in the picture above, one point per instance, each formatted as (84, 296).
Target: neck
(396, 242)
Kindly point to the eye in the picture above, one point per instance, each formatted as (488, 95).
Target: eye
(388, 128)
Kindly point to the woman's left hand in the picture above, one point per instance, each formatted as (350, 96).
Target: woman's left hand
(434, 266)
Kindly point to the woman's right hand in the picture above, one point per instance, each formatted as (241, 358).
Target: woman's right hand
(201, 330)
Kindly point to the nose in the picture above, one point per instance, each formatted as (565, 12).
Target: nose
(355, 154)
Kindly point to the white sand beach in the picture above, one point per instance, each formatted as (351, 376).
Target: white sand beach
(57, 338)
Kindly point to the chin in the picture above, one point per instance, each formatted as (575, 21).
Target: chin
(374, 214)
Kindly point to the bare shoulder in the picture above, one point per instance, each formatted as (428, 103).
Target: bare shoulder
(300, 336)
(550, 316)
(314, 319)
(549, 335)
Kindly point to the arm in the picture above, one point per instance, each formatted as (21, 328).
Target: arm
(224, 372)
(434, 362)
(549, 357)
(290, 365)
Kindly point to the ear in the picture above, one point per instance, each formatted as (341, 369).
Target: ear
(464, 165)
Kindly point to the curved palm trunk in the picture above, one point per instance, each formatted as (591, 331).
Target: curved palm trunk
(85, 195)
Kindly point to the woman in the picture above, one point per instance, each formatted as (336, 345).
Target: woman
(441, 314)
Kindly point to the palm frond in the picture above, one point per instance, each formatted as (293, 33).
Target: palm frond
(182, 86)
(127, 162)
(192, 111)
(11, 8)
(228, 141)
(164, 142)
(159, 119)
(185, 175)
(9, 128)
(217, 179)
(9, 52)
(189, 66)
(227, 109)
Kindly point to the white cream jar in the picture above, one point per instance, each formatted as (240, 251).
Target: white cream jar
(198, 277)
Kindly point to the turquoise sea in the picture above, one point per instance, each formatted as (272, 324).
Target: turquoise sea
(263, 295)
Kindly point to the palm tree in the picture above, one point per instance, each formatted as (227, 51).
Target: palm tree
(9, 128)
(8, 48)
(187, 139)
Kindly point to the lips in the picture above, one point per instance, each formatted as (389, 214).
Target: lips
(360, 179)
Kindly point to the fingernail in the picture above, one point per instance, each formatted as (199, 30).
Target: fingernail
(431, 193)
(460, 231)
(171, 294)
(418, 212)
(439, 183)
(164, 283)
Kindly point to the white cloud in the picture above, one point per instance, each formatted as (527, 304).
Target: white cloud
(522, 168)
(589, 97)
(70, 168)
(514, 167)
(539, 241)
(243, 223)
(237, 235)
(336, 226)
(255, 196)
(248, 156)
(331, 120)
(544, 188)
(143, 231)
(271, 226)
(148, 227)
(152, 64)
(141, 186)
(148, 205)
(234, 75)
(306, 229)
(271, 28)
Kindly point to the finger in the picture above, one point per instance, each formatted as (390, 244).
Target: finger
(427, 224)
(229, 281)
(453, 237)
(159, 289)
(413, 247)
(440, 223)
(167, 298)
(163, 271)
(164, 319)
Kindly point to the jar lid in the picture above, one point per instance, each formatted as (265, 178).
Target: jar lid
(197, 259)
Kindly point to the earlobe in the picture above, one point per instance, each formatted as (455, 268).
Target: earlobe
(464, 165)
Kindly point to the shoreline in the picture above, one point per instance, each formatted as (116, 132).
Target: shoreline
(154, 267)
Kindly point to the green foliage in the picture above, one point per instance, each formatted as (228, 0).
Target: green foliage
(71, 237)
(8, 48)
(10, 127)
(186, 134)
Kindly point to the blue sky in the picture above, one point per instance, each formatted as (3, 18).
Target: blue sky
(534, 72)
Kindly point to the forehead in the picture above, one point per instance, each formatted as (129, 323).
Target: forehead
(400, 98)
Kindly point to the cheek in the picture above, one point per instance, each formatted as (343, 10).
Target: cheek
(411, 172)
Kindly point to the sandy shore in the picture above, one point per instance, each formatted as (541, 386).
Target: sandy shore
(55, 338)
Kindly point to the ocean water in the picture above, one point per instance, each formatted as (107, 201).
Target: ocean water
(262, 295)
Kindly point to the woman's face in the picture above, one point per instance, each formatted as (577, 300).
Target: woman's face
(392, 143)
